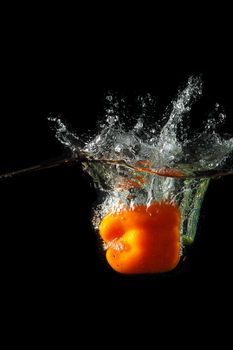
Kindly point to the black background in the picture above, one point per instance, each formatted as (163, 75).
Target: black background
(54, 284)
(52, 262)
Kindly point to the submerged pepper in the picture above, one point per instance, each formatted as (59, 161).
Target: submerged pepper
(143, 239)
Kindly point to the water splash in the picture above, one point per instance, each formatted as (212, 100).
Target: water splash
(63, 133)
(132, 146)
(142, 139)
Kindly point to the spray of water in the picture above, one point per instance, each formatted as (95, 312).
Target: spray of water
(131, 149)
(154, 142)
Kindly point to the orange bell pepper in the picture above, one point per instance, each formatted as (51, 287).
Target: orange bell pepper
(143, 239)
